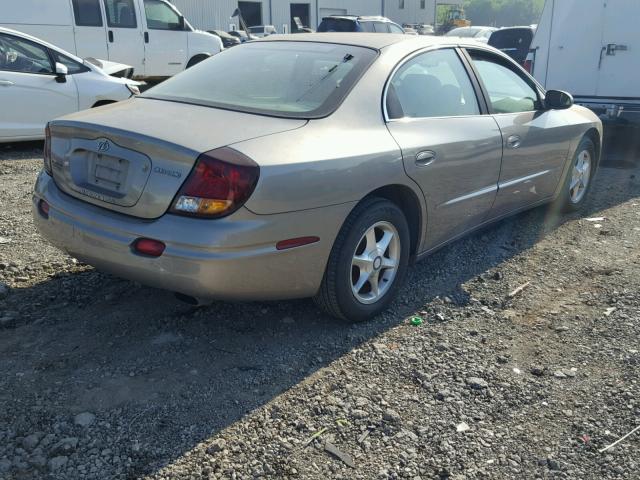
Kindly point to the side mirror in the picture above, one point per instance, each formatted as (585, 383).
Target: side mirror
(558, 100)
(61, 72)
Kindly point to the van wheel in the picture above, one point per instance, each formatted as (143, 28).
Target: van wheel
(197, 59)
(579, 178)
(368, 262)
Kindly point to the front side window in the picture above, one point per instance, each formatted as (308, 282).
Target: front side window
(120, 13)
(395, 28)
(87, 13)
(432, 84)
(161, 16)
(285, 79)
(508, 91)
(20, 55)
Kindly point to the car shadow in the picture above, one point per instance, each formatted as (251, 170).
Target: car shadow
(162, 376)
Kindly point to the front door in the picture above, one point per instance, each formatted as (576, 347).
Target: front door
(166, 39)
(449, 148)
(535, 141)
(30, 96)
(90, 29)
(124, 34)
(620, 52)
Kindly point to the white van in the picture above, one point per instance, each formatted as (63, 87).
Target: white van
(150, 35)
(591, 48)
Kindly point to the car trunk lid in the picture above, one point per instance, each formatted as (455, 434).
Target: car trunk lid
(133, 157)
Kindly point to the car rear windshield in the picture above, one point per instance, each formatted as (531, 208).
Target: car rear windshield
(515, 42)
(337, 25)
(281, 78)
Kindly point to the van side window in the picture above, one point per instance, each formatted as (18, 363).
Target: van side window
(120, 13)
(432, 84)
(161, 16)
(87, 13)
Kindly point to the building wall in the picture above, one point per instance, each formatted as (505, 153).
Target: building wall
(214, 14)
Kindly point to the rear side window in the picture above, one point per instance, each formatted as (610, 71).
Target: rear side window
(87, 13)
(120, 13)
(337, 25)
(508, 91)
(285, 79)
(380, 27)
(432, 84)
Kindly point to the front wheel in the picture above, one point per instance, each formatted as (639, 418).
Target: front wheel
(579, 178)
(368, 262)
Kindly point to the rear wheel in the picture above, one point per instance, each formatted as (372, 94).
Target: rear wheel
(579, 178)
(368, 262)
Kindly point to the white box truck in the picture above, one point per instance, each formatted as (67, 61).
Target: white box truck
(150, 35)
(591, 48)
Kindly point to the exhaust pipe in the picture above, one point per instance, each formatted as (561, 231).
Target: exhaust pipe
(196, 302)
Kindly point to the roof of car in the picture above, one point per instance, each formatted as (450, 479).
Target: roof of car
(366, 18)
(376, 41)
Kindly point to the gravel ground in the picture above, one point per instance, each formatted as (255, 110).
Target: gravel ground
(102, 378)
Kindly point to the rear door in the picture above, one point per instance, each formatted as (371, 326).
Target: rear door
(124, 34)
(535, 141)
(90, 29)
(30, 96)
(449, 147)
(166, 39)
(620, 50)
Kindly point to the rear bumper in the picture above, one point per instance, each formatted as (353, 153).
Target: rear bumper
(232, 258)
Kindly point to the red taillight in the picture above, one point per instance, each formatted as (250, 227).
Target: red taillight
(47, 150)
(219, 184)
(148, 246)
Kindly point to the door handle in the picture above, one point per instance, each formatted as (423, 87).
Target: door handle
(514, 141)
(146, 37)
(110, 36)
(425, 158)
(6, 83)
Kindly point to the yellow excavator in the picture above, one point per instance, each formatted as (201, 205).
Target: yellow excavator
(454, 17)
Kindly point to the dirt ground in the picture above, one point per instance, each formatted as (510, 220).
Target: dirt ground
(101, 378)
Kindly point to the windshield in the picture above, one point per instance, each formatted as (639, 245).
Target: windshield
(287, 79)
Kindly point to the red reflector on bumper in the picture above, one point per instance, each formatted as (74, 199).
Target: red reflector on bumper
(296, 242)
(149, 247)
(43, 207)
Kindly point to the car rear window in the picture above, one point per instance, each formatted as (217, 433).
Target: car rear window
(337, 25)
(515, 42)
(286, 79)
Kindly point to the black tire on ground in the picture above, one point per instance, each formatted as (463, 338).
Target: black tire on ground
(564, 201)
(335, 295)
(195, 60)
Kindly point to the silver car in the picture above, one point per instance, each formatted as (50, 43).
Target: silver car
(310, 166)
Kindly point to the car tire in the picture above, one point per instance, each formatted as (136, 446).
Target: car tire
(579, 178)
(375, 224)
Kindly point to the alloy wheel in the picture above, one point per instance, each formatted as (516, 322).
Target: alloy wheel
(580, 176)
